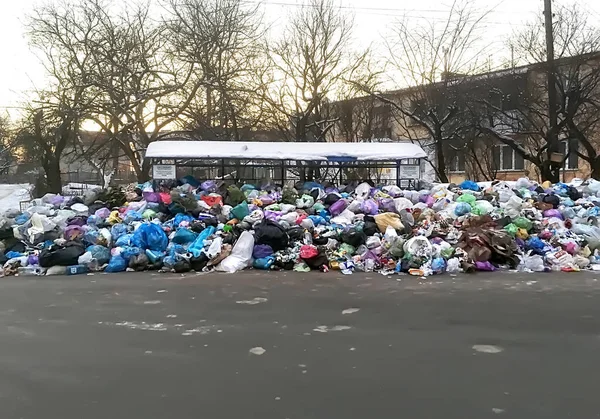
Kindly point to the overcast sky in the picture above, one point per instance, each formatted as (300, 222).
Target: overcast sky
(20, 69)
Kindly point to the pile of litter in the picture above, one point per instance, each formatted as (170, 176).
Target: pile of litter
(187, 225)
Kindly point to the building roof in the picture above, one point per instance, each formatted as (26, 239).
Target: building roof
(284, 151)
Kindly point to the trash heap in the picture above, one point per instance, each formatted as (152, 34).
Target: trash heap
(187, 225)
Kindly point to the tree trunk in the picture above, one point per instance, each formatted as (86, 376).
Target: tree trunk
(53, 180)
(549, 172)
(441, 162)
(143, 175)
(595, 165)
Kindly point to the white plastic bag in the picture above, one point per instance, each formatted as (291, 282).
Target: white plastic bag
(453, 265)
(402, 203)
(39, 225)
(390, 234)
(289, 218)
(512, 207)
(214, 249)
(363, 190)
(529, 262)
(80, 209)
(373, 241)
(345, 218)
(355, 205)
(241, 254)
(418, 246)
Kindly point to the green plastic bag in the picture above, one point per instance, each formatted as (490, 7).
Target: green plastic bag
(347, 249)
(149, 214)
(234, 196)
(511, 229)
(240, 211)
(318, 207)
(468, 198)
(447, 253)
(523, 223)
(289, 196)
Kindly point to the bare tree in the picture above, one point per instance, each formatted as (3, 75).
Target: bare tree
(577, 74)
(428, 59)
(224, 39)
(310, 61)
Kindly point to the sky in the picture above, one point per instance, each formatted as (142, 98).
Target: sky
(20, 69)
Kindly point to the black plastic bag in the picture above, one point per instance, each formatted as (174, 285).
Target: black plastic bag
(370, 228)
(139, 262)
(354, 238)
(61, 256)
(182, 265)
(295, 233)
(331, 199)
(271, 233)
(197, 264)
(318, 261)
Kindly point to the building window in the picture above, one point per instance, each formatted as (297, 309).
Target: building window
(457, 163)
(569, 149)
(506, 158)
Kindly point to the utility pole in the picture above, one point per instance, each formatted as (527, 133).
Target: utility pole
(553, 146)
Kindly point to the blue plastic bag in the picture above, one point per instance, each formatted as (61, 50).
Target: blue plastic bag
(198, 244)
(131, 216)
(100, 253)
(22, 219)
(116, 264)
(128, 251)
(175, 249)
(179, 218)
(117, 231)
(91, 236)
(93, 220)
(184, 236)
(438, 265)
(154, 256)
(124, 240)
(12, 254)
(535, 243)
(317, 220)
(462, 208)
(150, 236)
(469, 185)
(264, 263)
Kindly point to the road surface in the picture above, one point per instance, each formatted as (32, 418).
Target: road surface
(291, 345)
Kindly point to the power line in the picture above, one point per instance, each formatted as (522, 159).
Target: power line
(377, 11)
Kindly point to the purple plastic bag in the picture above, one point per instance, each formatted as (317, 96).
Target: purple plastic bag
(209, 186)
(337, 207)
(57, 200)
(151, 197)
(387, 205)
(484, 266)
(553, 213)
(77, 221)
(272, 215)
(266, 199)
(73, 231)
(102, 213)
(430, 201)
(369, 207)
(262, 251)
(32, 260)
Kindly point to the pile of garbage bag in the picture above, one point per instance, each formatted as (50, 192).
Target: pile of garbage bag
(190, 225)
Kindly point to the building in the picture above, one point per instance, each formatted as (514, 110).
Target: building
(469, 113)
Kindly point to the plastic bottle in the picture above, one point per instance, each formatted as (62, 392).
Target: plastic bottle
(77, 269)
(307, 237)
(30, 271)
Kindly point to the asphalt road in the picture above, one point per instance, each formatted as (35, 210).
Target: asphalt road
(170, 346)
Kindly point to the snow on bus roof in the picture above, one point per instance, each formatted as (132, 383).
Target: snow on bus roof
(283, 150)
